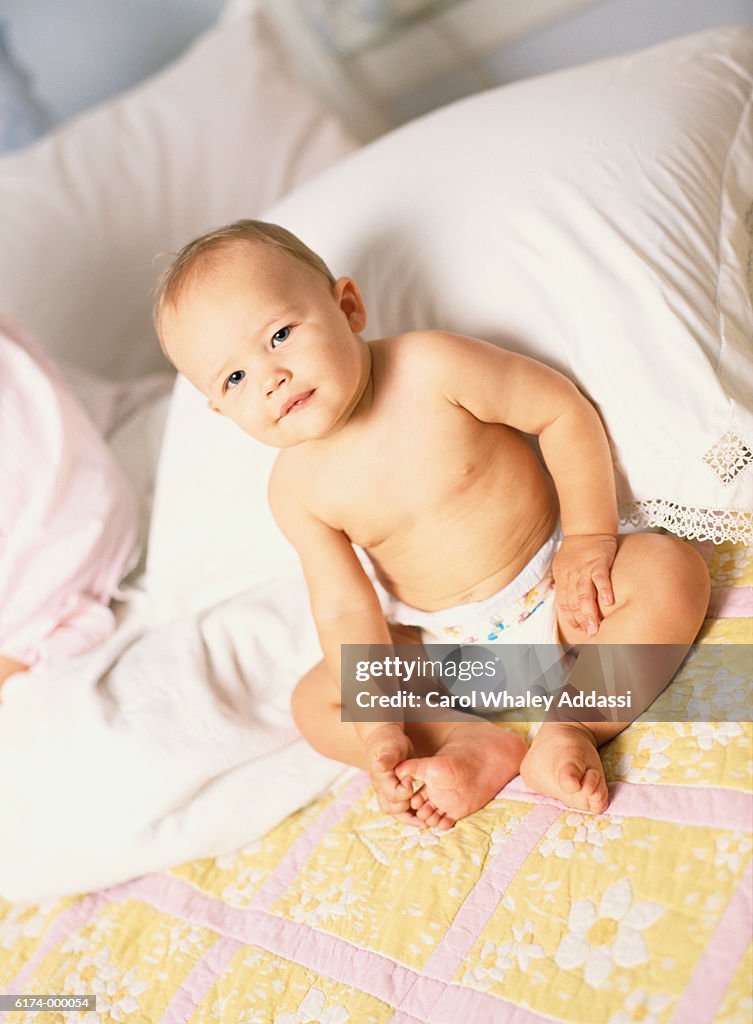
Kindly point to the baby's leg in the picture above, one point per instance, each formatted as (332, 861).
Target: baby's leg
(661, 589)
(316, 709)
(460, 763)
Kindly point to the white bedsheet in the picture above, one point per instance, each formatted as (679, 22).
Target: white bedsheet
(172, 741)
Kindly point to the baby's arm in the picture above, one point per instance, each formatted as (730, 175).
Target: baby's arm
(498, 386)
(346, 611)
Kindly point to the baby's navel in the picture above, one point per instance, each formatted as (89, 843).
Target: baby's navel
(467, 474)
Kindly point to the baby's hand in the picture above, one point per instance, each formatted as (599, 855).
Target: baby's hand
(581, 572)
(386, 747)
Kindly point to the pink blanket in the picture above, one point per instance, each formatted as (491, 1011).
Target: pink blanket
(67, 514)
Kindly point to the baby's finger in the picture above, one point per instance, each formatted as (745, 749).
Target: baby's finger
(390, 788)
(390, 791)
(588, 610)
(603, 583)
(575, 604)
(390, 806)
(568, 613)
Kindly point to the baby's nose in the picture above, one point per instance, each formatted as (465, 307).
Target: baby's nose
(275, 380)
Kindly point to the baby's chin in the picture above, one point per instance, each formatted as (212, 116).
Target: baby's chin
(276, 437)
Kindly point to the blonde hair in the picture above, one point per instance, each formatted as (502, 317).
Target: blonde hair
(191, 257)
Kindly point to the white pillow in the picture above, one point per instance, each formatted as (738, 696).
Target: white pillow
(595, 219)
(212, 534)
(221, 133)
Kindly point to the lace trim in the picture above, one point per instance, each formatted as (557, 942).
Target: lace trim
(729, 456)
(717, 525)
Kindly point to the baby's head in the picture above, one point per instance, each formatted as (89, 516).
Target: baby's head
(259, 324)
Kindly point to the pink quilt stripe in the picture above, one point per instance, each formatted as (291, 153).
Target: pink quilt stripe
(483, 899)
(731, 603)
(199, 980)
(72, 918)
(480, 904)
(197, 983)
(299, 943)
(464, 1004)
(453, 1007)
(401, 1017)
(291, 864)
(721, 958)
(681, 805)
(375, 974)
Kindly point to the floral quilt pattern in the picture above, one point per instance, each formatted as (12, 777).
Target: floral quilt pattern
(524, 913)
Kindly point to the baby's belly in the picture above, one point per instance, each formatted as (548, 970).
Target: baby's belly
(464, 554)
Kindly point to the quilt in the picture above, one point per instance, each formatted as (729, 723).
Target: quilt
(523, 913)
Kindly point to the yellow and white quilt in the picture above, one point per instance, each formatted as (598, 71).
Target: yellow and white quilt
(524, 913)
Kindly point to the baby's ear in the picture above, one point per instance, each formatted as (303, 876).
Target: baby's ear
(348, 297)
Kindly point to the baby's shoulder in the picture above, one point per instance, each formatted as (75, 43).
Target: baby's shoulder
(429, 348)
(289, 477)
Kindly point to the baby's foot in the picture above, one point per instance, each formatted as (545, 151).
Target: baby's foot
(475, 761)
(386, 747)
(564, 762)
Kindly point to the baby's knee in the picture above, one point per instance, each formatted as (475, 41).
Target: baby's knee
(690, 576)
(666, 577)
(680, 579)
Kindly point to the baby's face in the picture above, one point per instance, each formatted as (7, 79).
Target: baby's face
(271, 344)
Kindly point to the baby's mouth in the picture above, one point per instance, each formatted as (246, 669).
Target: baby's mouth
(295, 402)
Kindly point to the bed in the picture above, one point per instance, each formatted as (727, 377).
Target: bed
(524, 912)
(171, 844)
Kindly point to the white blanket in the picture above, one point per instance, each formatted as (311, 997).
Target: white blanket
(173, 741)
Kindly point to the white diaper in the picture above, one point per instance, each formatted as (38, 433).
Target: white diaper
(522, 612)
(522, 616)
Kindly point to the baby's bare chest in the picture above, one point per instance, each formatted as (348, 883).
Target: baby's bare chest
(427, 470)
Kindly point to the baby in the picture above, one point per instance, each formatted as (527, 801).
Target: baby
(411, 447)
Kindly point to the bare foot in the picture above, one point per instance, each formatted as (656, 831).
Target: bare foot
(386, 747)
(474, 762)
(564, 762)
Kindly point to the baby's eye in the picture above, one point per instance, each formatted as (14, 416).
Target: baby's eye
(234, 379)
(279, 336)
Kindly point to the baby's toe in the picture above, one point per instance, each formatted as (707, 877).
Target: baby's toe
(409, 818)
(426, 810)
(599, 799)
(446, 822)
(591, 782)
(439, 820)
(418, 799)
(570, 777)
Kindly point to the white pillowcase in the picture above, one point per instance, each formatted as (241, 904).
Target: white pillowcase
(595, 219)
(221, 133)
(212, 534)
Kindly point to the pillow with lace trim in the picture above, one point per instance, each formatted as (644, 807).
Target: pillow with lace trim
(597, 219)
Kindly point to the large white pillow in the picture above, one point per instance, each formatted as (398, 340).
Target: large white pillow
(597, 219)
(222, 132)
